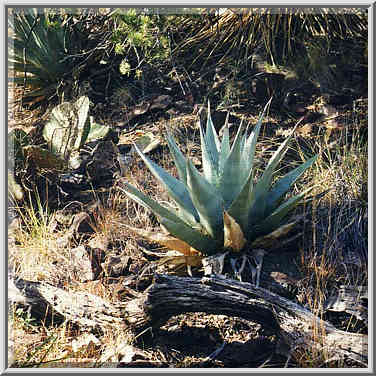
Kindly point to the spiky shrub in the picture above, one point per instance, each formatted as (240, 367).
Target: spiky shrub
(39, 50)
(221, 208)
(54, 51)
(279, 30)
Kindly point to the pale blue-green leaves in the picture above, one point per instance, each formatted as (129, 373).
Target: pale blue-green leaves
(210, 151)
(226, 185)
(207, 201)
(176, 189)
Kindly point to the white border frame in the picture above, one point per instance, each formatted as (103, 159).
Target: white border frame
(4, 261)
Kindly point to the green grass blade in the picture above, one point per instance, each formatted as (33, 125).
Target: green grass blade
(207, 202)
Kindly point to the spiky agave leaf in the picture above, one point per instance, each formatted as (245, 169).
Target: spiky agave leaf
(227, 207)
(210, 147)
(233, 171)
(197, 239)
(193, 235)
(225, 146)
(284, 184)
(208, 202)
(179, 159)
(176, 189)
(149, 203)
(250, 144)
(273, 221)
(241, 205)
(237, 164)
(39, 49)
(261, 188)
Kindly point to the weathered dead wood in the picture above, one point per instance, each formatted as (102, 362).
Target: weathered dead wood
(169, 296)
(85, 309)
(350, 299)
(297, 325)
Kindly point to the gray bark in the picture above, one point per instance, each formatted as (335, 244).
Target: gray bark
(168, 296)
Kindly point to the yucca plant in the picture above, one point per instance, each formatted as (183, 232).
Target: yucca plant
(221, 208)
(280, 31)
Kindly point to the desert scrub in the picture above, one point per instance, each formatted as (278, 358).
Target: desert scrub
(143, 37)
(334, 247)
(221, 208)
(38, 51)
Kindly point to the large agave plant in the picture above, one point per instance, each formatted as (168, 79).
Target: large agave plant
(221, 208)
(38, 50)
(52, 53)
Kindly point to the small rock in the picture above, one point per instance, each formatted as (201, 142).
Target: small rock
(87, 268)
(115, 266)
(80, 223)
(123, 352)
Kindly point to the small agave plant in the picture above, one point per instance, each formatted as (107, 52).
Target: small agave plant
(221, 209)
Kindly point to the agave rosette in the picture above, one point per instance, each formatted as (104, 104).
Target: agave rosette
(38, 49)
(221, 208)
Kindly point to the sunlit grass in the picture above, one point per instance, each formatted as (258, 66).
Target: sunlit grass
(37, 248)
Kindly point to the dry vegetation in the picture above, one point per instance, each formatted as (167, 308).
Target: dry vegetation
(331, 252)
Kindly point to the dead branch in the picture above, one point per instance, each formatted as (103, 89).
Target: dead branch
(169, 296)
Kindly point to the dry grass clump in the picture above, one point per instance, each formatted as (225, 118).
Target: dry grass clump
(334, 250)
(36, 253)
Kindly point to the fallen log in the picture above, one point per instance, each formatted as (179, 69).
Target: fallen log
(297, 327)
(84, 309)
(349, 299)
